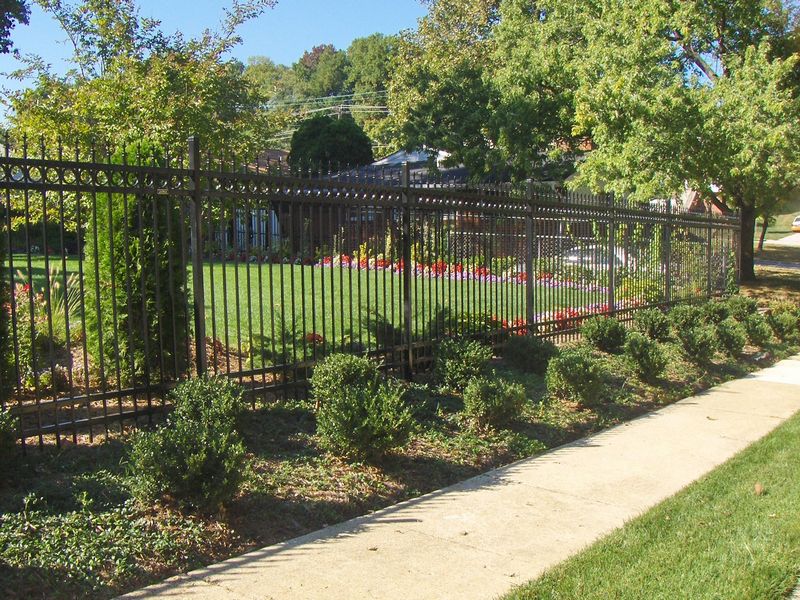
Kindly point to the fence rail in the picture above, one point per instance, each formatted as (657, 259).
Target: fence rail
(126, 271)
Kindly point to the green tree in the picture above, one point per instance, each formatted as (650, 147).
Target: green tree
(696, 92)
(130, 81)
(323, 140)
(441, 93)
(11, 13)
(274, 82)
(369, 60)
(322, 71)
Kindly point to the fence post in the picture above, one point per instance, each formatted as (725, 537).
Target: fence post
(668, 255)
(709, 254)
(612, 257)
(405, 198)
(529, 299)
(197, 257)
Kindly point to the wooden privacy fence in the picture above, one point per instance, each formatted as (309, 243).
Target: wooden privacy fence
(126, 271)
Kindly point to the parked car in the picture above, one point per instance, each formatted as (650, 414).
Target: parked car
(592, 255)
(796, 224)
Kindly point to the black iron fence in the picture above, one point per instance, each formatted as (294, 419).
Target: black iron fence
(125, 271)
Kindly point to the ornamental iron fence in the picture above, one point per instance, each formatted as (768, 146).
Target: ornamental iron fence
(127, 271)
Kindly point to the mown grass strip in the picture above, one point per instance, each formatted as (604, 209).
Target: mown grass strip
(733, 534)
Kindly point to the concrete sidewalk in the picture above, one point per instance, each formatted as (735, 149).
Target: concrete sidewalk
(481, 537)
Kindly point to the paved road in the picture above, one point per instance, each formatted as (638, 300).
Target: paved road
(789, 240)
(478, 539)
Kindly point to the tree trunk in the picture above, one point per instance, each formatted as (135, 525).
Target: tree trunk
(748, 215)
(764, 227)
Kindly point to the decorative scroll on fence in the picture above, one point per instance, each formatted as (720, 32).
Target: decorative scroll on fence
(125, 271)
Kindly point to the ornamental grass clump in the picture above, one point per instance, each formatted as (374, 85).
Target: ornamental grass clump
(653, 323)
(646, 355)
(197, 458)
(731, 337)
(360, 416)
(605, 333)
(579, 376)
(458, 361)
(493, 401)
(529, 354)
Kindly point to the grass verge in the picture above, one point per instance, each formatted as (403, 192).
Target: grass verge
(732, 534)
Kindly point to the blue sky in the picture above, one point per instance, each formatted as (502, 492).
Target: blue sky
(282, 33)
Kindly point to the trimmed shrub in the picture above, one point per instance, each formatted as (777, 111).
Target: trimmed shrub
(758, 331)
(493, 401)
(458, 361)
(784, 306)
(8, 444)
(577, 375)
(686, 316)
(605, 333)
(731, 336)
(699, 343)
(653, 323)
(741, 307)
(529, 354)
(646, 355)
(197, 457)
(339, 371)
(364, 421)
(124, 321)
(786, 326)
(714, 312)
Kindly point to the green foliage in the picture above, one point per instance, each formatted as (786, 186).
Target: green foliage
(653, 323)
(646, 355)
(364, 420)
(686, 316)
(641, 287)
(605, 333)
(731, 336)
(529, 354)
(786, 326)
(130, 263)
(493, 401)
(699, 343)
(128, 80)
(758, 331)
(322, 141)
(88, 553)
(8, 444)
(457, 361)
(13, 12)
(741, 307)
(714, 312)
(197, 457)
(577, 375)
(339, 371)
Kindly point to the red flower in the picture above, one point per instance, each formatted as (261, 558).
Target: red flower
(344, 259)
(327, 260)
(522, 277)
(314, 338)
(381, 263)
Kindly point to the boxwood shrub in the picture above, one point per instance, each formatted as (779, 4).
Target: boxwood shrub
(699, 343)
(605, 333)
(653, 323)
(731, 336)
(197, 458)
(758, 331)
(714, 312)
(686, 316)
(457, 361)
(647, 356)
(493, 401)
(786, 326)
(529, 354)
(741, 307)
(339, 371)
(577, 375)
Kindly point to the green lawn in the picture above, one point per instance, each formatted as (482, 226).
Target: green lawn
(783, 222)
(718, 538)
(248, 302)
